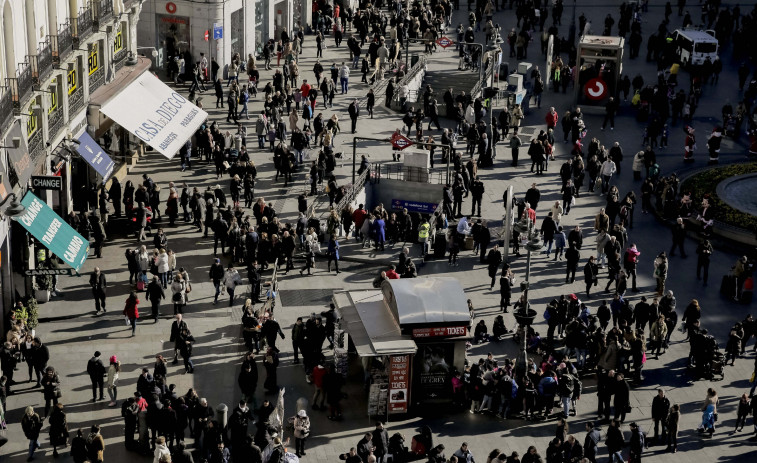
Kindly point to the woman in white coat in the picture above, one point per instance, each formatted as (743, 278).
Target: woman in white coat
(178, 288)
(163, 267)
(230, 280)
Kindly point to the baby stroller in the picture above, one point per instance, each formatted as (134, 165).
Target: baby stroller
(716, 366)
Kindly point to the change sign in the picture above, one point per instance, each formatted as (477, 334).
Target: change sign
(52, 231)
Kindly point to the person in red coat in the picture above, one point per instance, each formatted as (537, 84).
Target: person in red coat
(131, 311)
(551, 118)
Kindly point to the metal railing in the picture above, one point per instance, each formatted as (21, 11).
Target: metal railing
(96, 80)
(85, 25)
(411, 74)
(63, 43)
(415, 174)
(477, 88)
(103, 11)
(75, 102)
(21, 85)
(36, 148)
(43, 62)
(54, 123)
(351, 193)
(6, 108)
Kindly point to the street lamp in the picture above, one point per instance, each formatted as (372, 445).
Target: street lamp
(525, 315)
(14, 209)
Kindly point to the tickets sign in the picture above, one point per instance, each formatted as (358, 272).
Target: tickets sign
(53, 232)
(401, 142)
(438, 331)
(399, 379)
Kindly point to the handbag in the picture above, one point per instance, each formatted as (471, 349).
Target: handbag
(754, 374)
(126, 319)
(189, 289)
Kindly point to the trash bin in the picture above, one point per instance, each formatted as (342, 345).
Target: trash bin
(222, 415)
(414, 59)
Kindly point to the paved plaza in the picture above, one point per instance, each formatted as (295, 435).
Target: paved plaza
(73, 333)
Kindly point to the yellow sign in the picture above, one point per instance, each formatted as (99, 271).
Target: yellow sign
(73, 80)
(94, 58)
(32, 124)
(53, 97)
(118, 42)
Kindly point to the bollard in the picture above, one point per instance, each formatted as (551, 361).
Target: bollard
(222, 415)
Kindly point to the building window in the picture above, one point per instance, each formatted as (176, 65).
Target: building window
(237, 32)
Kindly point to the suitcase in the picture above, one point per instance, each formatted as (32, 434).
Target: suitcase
(469, 243)
(440, 245)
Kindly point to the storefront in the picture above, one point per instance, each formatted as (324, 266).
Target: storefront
(411, 335)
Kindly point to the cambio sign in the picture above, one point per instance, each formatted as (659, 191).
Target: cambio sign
(162, 118)
(52, 231)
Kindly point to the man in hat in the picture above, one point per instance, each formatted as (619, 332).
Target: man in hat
(96, 371)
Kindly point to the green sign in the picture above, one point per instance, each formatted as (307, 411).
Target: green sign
(53, 232)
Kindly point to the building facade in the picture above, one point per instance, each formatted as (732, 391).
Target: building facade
(216, 28)
(54, 56)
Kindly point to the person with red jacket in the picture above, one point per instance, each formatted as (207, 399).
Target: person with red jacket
(392, 273)
(358, 217)
(317, 376)
(305, 88)
(551, 118)
(131, 311)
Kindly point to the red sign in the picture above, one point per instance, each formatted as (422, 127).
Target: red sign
(401, 142)
(399, 380)
(439, 331)
(595, 89)
(444, 42)
(207, 35)
(171, 7)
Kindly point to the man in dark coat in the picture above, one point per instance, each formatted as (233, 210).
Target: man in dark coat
(154, 293)
(96, 371)
(354, 111)
(99, 284)
(177, 327)
(380, 441)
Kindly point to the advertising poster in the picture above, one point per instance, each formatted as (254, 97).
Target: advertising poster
(433, 367)
(95, 156)
(399, 380)
(53, 232)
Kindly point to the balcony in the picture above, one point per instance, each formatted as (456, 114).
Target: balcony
(129, 3)
(103, 11)
(6, 109)
(62, 44)
(75, 103)
(85, 26)
(21, 86)
(42, 63)
(54, 123)
(96, 80)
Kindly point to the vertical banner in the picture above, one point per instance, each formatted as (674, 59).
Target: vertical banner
(399, 378)
(433, 366)
(53, 232)
(95, 156)
(21, 162)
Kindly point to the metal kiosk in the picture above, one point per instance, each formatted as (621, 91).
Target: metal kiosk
(599, 67)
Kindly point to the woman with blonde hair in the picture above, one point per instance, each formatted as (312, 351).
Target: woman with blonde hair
(178, 291)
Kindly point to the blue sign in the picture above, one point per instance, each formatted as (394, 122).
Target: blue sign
(414, 206)
(53, 232)
(217, 31)
(95, 156)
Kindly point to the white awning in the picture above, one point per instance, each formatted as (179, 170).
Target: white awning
(419, 301)
(156, 114)
(371, 325)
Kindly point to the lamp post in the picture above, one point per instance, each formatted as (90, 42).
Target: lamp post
(572, 29)
(525, 315)
(14, 209)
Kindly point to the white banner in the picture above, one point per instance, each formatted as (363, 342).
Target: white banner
(156, 114)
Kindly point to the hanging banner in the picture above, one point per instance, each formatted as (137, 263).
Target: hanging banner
(156, 114)
(53, 232)
(91, 152)
(399, 380)
(20, 159)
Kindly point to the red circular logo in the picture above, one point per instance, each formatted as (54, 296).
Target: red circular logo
(171, 7)
(595, 89)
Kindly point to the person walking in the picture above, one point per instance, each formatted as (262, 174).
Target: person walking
(31, 424)
(96, 371)
(95, 445)
(354, 111)
(493, 261)
(113, 371)
(58, 429)
(637, 443)
(572, 257)
(98, 284)
(515, 144)
(178, 294)
(50, 388)
(40, 356)
(154, 293)
(704, 253)
(230, 281)
(185, 341)
(660, 412)
(679, 237)
(301, 424)
(216, 276)
(333, 253)
(131, 311)
(591, 271)
(673, 419)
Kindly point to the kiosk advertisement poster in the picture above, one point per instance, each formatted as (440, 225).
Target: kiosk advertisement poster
(433, 364)
(53, 232)
(399, 377)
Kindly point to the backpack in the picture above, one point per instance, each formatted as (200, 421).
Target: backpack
(577, 387)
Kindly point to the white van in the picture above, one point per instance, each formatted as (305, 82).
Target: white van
(693, 47)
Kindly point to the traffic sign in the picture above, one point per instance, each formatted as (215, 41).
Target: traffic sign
(401, 142)
(595, 89)
(444, 42)
(217, 31)
(207, 35)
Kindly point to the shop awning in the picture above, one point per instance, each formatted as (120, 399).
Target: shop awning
(417, 301)
(123, 78)
(371, 325)
(155, 113)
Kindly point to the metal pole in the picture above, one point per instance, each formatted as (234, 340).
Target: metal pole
(354, 157)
